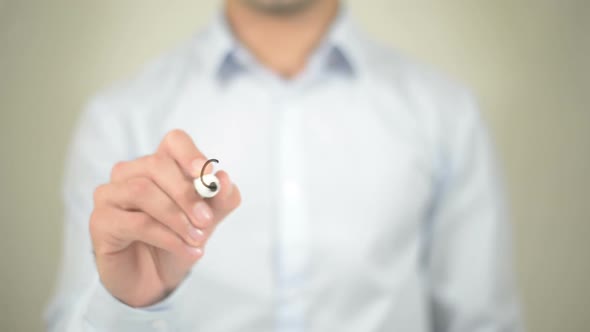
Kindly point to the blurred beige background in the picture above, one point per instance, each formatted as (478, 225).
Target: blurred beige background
(529, 62)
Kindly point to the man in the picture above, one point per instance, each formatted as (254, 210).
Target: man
(362, 196)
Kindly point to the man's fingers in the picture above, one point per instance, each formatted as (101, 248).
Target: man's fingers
(173, 169)
(142, 194)
(179, 146)
(148, 166)
(166, 173)
(146, 229)
(126, 227)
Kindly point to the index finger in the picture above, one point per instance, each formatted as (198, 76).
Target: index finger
(179, 146)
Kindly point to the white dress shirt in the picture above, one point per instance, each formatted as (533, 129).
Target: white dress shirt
(370, 199)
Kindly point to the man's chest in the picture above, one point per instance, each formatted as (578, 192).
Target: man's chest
(339, 181)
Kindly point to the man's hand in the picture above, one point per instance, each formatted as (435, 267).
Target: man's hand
(149, 226)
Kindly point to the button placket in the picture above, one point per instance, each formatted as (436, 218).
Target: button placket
(292, 220)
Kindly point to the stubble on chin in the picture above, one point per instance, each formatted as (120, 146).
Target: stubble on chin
(280, 7)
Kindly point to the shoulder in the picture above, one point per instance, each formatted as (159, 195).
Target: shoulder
(419, 83)
(438, 101)
(118, 117)
(443, 109)
(156, 83)
(136, 105)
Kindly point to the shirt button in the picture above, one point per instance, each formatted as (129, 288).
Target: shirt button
(159, 325)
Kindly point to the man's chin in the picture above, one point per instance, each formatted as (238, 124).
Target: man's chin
(280, 7)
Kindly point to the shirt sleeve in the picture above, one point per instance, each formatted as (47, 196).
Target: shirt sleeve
(469, 253)
(80, 301)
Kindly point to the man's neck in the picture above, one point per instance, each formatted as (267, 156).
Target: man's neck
(283, 43)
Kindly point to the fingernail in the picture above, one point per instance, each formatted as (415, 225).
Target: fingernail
(195, 234)
(202, 212)
(194, 251)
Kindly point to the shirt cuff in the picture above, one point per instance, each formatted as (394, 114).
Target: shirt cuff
(106, 313)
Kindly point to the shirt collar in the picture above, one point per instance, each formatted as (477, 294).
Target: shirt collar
(225, 56)
(343, 41)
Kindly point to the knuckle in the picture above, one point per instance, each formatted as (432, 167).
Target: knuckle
(157, 164)
(139, 186)
(174, 136)
(94, 224)
(99, 193)
(98, 224)
(117, 169)
(154, 161)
